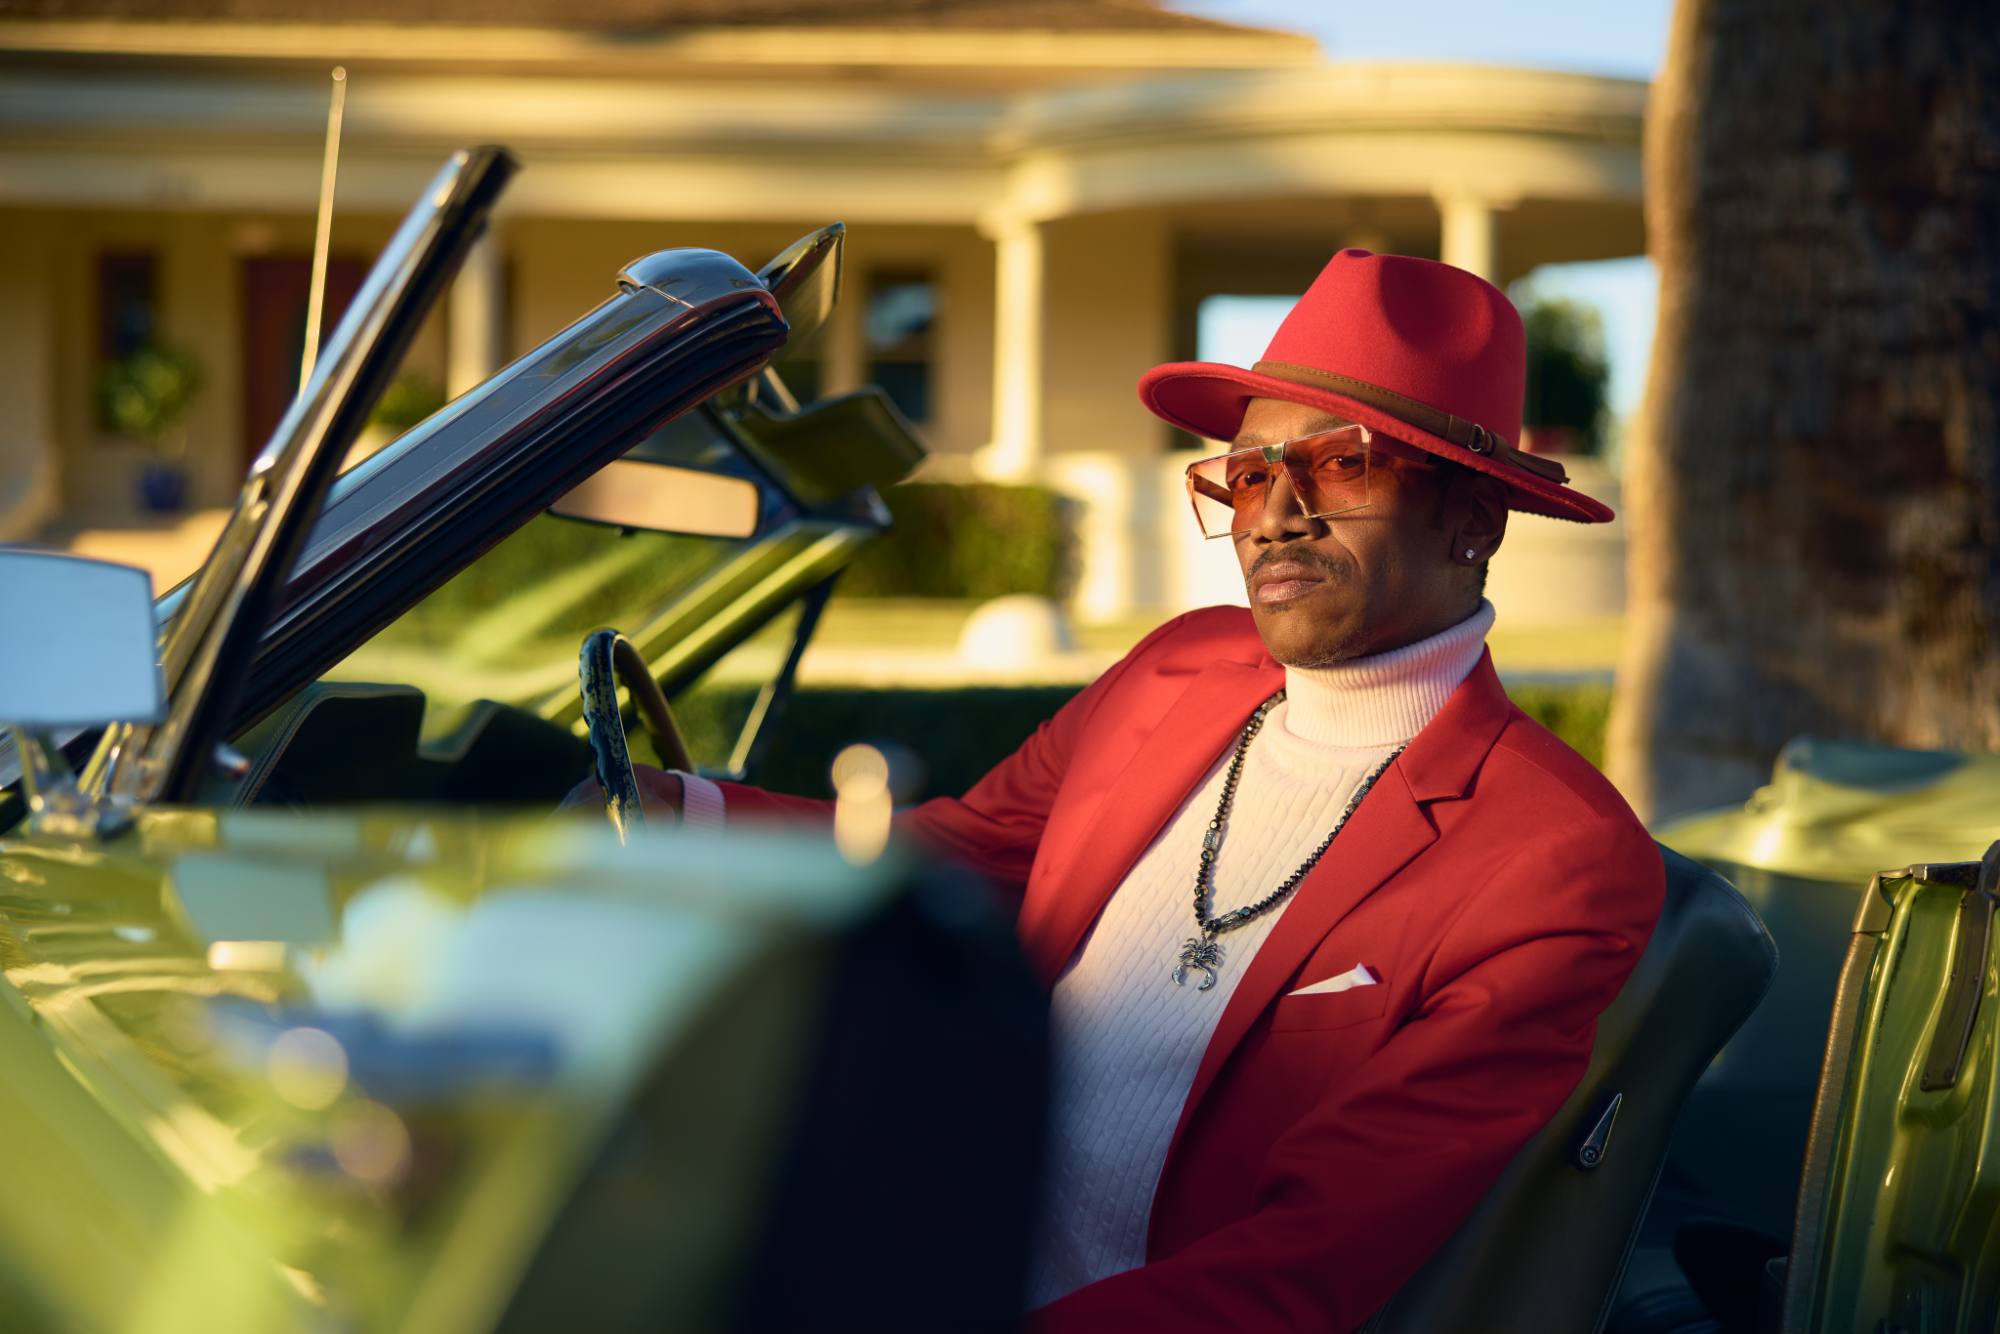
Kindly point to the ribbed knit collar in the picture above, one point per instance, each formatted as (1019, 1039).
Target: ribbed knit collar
(1386, 698)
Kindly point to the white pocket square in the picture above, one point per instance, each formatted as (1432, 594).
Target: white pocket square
(1358, 976)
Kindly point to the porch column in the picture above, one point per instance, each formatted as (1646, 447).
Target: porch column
(1019, 301)
(1470, 234)
(475, 318)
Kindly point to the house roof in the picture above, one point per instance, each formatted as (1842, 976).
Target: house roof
(643, 16)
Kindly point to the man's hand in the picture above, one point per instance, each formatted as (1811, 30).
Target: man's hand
(659, 793)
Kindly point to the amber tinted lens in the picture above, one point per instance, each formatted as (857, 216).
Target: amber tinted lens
(1228, 491)
(1323, 475)
(1330, 471)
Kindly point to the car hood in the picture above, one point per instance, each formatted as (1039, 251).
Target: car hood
(343, 1060)
(1840, 811)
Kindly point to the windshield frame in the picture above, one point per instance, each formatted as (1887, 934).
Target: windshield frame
(207, 655)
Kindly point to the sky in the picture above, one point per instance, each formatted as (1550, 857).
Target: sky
(1624, 37)
(1614, 37)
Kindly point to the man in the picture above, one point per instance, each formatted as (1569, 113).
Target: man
(1328, 921)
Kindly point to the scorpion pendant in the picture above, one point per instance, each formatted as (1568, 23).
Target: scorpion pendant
(1198, 952)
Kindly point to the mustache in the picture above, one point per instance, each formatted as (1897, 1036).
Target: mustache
(1332, 568)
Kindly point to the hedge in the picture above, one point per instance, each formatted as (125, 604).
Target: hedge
(957, 735)
(974, 540)
(1575, 710)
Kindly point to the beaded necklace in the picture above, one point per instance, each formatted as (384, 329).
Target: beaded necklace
(1204, 951)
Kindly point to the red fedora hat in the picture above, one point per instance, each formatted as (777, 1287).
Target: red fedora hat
(1420, 351)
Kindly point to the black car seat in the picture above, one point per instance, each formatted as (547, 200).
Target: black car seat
(1545, 1248)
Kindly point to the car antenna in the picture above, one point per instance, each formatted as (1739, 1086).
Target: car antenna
(323, 230)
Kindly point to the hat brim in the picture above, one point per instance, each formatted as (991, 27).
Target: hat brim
(1208, 398)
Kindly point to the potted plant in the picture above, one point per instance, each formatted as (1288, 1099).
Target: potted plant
(145, 396)
(1569, 378)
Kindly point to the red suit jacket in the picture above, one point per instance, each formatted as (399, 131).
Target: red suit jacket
(1493, 881)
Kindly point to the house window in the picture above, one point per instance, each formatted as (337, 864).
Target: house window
(900, 326)
(127, 303)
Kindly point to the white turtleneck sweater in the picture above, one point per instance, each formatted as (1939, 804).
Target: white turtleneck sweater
(1127, 1040)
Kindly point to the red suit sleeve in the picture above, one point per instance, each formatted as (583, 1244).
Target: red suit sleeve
(996, 827)
(1359, 1192)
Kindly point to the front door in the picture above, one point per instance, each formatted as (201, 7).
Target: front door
(275, 293)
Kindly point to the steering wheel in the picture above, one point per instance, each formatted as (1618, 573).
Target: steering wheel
(608, 659)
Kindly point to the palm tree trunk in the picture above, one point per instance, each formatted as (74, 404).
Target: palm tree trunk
(1813, 488)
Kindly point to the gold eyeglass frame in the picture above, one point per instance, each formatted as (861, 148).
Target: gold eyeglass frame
(1280, 455)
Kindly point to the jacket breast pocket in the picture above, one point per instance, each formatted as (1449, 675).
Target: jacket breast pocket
(1338, 1009)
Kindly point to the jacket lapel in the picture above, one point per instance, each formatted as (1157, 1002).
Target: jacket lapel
(1182, 746)
(1391, 826)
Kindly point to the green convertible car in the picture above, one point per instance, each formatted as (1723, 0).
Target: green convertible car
(315, 1016)
(1838, 1161)
(317, 1019)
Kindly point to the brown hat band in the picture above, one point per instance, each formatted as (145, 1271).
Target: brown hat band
(1470, 435)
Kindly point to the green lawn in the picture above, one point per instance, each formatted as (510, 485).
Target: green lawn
(934, 624)
(1583, 647)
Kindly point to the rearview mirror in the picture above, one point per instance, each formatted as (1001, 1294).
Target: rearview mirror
(660, 498)
(78, 642)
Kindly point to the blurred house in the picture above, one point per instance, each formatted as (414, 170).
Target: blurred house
(1041, 195)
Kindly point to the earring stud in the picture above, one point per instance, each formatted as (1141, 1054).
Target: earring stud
(1468, 553)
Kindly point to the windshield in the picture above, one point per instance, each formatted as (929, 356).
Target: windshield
(507, 627)
(472, 693)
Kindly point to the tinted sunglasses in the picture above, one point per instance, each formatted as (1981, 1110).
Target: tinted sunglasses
(1325, 474)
